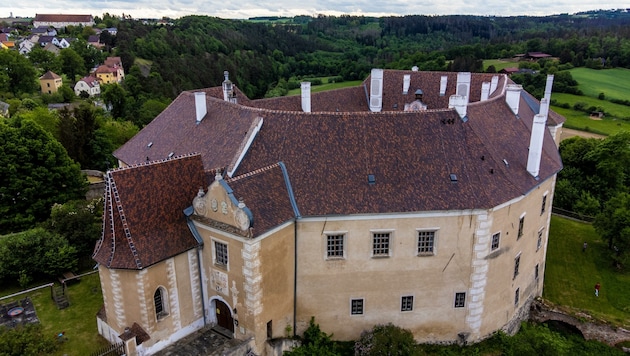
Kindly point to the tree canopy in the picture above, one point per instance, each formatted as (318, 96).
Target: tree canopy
(36, 172)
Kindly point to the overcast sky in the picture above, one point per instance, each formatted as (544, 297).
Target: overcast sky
(250, 8)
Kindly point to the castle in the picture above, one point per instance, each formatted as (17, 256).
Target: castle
(417, 198)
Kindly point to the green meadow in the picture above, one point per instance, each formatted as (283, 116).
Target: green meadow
(614, 83)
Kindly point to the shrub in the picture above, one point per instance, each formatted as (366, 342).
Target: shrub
(386, 340)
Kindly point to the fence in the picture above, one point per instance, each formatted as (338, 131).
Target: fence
(573, 215)
(111, 350)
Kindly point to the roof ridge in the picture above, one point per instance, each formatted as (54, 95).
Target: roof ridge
(252, 173)
(157, 161)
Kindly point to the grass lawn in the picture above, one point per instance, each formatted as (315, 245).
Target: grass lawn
(612, 109)
(570, 275)
(500, 63)
(580, 121)
(614, 83)
(78, 320)
(327, 86)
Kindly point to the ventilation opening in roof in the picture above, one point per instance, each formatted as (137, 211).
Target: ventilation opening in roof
(371, 179)
(453, 177)
(170, 155)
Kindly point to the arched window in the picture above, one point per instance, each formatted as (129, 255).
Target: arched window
(159, 299)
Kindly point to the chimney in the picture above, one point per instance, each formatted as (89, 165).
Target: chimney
(406, 82)
(443, 81)
(544, 107)
(535, 145)
(513, 96)
(459, 103)
(200, 105)
(228, 90)
(485, 91)
(548, 87)
(463, 84)
(414, 68)
(376, 90)
(306, 96)
(494, 83)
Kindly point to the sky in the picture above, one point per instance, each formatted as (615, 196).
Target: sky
(251, 8)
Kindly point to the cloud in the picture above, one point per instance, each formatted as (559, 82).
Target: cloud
(251, 8)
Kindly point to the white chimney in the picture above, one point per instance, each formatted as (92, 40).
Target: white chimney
(460, 104)
(535, 145)
(414, 68)
(544, 107)
(463, 84)
(513, 96)
(548, 86)
(406, 82)
(227, 87)
(485, 91)
(443, 81)
(200, 105)
(376, 90)
(494, 83)
(306, 96)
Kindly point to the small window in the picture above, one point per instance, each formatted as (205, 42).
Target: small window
(517, 262)
(269, 329)
(220, 254)
(517, 295)
(406, 303)
(426, 243)
(380, 244)
(334, 246)
(521, 223)
(460, 300)
(539, 242)
(356, 307)
(544, 204)
(536, 272)
(159, 299)
(495, 241)
(48, 85)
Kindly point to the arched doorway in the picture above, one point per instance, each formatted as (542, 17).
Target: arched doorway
(224, 315)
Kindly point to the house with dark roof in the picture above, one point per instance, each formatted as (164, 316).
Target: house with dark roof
(50, 82)
(417, 198)
(62, 20)
(90, 85)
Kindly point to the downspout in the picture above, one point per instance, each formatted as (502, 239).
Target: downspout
(297, 214)
(188, 212)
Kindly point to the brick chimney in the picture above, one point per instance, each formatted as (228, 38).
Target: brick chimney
(200, 105)
(306, 96)
(513, 96)
(376, 90)
(535, 145)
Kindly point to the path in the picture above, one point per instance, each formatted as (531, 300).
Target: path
(568, 133)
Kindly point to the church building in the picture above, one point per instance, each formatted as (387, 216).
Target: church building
(417, 198)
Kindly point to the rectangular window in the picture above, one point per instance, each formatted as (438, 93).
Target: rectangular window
(220, 253)
(539, 242)
(380, 244)
(517, 296)
(460, 300)
(426, 243)
(406, 303)
(544, 204)
(536, 272)
(356, 307)
(495, 241)
(334, 246)
(517, 262)
(521, 222)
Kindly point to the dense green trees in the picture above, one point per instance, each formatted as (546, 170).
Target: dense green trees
(28, 340)
(19, 76)
(35, 172)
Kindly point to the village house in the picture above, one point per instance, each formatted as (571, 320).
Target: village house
(50, 82)
(89, 85)
(417, 198)
(111, 71)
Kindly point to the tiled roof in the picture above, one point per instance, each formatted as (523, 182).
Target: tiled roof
(50, 75)
(421, 161)
(144, 205)
(62, 18)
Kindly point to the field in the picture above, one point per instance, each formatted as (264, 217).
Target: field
(500, 63)
(614, 83)
(571, 274)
